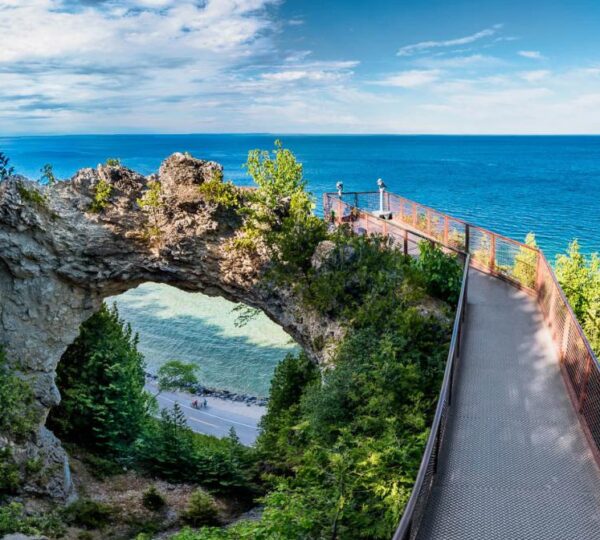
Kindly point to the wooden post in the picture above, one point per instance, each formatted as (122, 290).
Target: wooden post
(467, 235)
(405, 241)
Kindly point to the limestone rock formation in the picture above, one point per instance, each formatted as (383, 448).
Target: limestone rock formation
(59, 260)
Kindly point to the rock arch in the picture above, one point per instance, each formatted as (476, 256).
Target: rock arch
(58, 261)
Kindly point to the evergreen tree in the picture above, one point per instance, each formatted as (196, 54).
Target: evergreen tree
(101, 377)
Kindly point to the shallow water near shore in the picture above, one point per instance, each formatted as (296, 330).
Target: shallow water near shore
(512, 185)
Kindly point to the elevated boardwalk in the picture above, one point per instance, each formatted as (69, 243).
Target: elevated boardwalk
(515, 463)
(514, 449)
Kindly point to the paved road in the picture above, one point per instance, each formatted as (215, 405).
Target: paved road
(218, 418)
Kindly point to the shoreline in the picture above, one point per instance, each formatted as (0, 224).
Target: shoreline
(227, 395)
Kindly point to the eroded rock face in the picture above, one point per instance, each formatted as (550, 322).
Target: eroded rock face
(59, 260)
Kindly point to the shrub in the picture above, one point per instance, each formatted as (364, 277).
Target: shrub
(101, 198)
(6, 171)
(220, 193)
(18, 418)
(152, 202)
(10, 477)
(31, 195)
(441, 273)
(48, 174)
(153, 500)
(201, 509)
(113, 162)
(525, 265)
(89, 514)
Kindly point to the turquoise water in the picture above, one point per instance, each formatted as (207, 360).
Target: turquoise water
(196, 328)
(513, 185)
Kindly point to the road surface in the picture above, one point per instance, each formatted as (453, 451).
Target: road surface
(219, 416)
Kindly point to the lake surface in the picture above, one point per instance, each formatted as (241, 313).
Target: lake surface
(513, 185)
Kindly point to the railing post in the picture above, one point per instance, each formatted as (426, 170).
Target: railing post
(446, 230)
(564, 343)
(493, 252)
(405, 241)
(586, 380)
(467, 237)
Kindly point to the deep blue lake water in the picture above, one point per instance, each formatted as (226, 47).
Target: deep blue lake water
(513, 185)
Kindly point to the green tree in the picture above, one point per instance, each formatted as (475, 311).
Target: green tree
(176, 375)
(17, 404)
(525, 265)
(6, 171)
(101, 377)
(579, 277)
(48, 174)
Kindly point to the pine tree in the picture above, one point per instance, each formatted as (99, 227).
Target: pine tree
(101, 378)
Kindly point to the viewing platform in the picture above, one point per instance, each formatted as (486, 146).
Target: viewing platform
(514, 449)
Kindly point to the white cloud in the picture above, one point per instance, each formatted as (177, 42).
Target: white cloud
(411, 79)
(409, 50)
(535, 75)
(534, 55)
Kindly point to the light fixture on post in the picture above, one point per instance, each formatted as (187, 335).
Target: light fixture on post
(382, 212)
(340, 188)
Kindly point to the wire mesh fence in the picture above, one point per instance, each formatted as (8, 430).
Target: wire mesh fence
(520, 264)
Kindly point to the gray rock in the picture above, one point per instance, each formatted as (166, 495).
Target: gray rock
(58, 261)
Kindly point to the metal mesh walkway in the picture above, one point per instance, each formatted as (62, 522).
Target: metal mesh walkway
(514, 463)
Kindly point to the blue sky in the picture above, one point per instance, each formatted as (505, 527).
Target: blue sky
(329, 66)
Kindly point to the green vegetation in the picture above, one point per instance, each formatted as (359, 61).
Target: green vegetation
(113, 162)
(6, 171)
(176, 375)
(153, 500)
(31, 195)
(152, 202)
(220, 193)
(48, 174)
(101, 377)
(525, 265)
(89, 514)
(14, 519)
(441, 275)
(102, 193)
(580, 279)
(201, 509)
(18, 418)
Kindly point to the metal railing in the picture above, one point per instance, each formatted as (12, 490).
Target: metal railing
(521, 265)
(415, 509)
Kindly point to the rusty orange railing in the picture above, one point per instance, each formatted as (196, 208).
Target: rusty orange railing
(526, 267)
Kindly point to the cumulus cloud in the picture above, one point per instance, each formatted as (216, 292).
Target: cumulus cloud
(409, 50)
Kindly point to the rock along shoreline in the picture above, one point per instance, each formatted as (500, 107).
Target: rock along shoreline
(200, 390)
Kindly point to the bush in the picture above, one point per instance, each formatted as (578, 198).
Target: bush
(10, 477)
(220, 193)
(17, 403)
(441, 273)
(89, 514)
(153, 500)
(113, 162)
(101, 198)
(201, 510)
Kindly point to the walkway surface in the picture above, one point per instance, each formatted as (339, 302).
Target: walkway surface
(514, 464)
(218, 418)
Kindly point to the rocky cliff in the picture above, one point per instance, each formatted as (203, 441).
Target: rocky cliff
(59, 260)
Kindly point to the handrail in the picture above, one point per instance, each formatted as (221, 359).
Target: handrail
(520, 265)
(444, 401)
